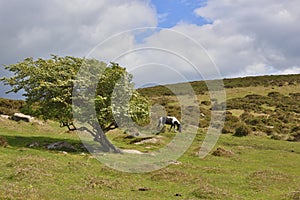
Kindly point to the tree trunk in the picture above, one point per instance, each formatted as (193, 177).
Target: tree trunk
(105, 143)
(68, 125)
(99, 136)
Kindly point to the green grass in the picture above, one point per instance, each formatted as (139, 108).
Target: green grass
(260, 168)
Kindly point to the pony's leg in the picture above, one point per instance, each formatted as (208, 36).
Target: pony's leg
(171, 128)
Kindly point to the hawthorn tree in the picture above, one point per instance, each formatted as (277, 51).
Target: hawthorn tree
(48, 87)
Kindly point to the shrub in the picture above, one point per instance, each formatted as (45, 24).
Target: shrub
(274, 94)
(296, 137)
(207, 103)
(3, 142)
(246, 115)
(226, 129)
(276, 136)
(254, 121)
(222, 152)
(242, 130)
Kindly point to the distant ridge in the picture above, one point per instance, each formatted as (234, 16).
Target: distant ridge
(200, 86)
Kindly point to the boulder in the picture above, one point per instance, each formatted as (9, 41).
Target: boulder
(34, 144)
(148, 141)
(61, 146)
(4, 116)
(22, 117)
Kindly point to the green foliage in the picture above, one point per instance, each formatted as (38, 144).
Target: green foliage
(48, 86)
(115, 98)
(231, 123)
(9, 106)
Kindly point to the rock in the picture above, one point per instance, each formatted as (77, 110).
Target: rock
(132, 151)
(132, 132)
(133, 135)
(174, 162)
(61, 146)
(22, 117)
(4, 116)
(148, 141)
(34, 144)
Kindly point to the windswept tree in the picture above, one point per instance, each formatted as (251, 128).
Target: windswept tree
(48, 87)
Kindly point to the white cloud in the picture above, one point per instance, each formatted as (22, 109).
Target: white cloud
(251, 33)
(38, 29)
(244, 38)
(34, 28)
(292, 70)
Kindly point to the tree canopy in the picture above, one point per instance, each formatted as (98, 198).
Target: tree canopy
(48, 88)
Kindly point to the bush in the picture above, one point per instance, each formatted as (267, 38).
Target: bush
(254, 121)
(3, 142)
(242, 130)
(246, 115)
(226, 129)
(206, 103)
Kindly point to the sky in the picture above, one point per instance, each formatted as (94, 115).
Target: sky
(188, 40)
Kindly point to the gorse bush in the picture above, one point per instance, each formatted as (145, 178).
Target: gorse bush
(9, 106)
(242, 130)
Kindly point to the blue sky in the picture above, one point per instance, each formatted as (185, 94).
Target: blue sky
(172, 12)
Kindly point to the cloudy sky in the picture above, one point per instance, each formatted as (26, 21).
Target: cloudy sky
(196, 39)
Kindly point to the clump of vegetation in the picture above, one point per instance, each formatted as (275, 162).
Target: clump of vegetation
(242, 130)
(221, 152)
(274, 114)
(294, 195)
(206, 103)
(231, 123)
(9, 106)
(3, 142)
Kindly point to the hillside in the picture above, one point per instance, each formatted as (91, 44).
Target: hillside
(267, 105)
(200, 86)
(252, 167)
(261, 165)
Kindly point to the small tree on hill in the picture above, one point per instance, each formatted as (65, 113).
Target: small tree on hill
(48, 88)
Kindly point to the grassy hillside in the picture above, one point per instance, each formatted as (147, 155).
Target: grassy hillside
(200, 86)
(262, 165)
(267, 105)
(255, 168)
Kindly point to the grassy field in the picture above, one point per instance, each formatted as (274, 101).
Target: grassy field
(256, 168)
(263, 165)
